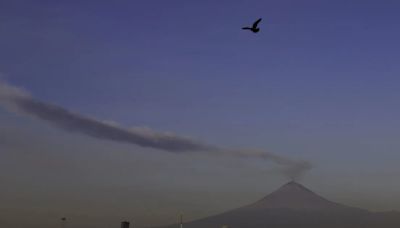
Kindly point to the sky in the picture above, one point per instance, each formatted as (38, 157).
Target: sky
(318, 83)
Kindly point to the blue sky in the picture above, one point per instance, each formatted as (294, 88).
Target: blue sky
(319, 82)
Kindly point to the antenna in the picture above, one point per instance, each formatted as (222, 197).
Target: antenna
(180, 220)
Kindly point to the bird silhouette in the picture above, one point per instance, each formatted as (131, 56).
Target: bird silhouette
(254, 27)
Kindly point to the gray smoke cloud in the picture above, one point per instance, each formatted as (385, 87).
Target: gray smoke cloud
(20, 101)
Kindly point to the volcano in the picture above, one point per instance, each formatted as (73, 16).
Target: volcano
(297, 197)
(295, 206)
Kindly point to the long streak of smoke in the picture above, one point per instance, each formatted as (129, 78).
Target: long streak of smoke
(21, 102)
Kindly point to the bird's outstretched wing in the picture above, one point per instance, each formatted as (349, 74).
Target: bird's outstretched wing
(256, 23)
(246, 28)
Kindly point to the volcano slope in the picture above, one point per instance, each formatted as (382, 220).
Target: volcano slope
(295, 206)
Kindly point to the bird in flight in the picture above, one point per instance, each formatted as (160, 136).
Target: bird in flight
(254, 27)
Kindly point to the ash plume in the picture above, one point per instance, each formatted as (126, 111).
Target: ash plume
(21, 102)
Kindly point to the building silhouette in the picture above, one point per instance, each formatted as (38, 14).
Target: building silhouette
(124, 224)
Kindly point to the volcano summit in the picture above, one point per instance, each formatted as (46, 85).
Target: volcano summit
(295, 206)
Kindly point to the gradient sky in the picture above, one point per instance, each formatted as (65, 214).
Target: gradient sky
(320, 82)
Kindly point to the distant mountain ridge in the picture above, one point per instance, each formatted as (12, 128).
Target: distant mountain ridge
(295, 206)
